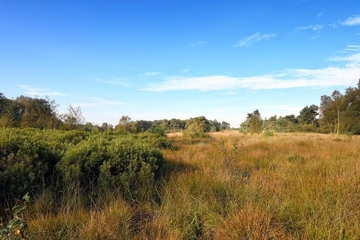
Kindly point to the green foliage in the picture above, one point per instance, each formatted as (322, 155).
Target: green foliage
(99, 164)
(308, 114)
(197, 127)
(268, 133)
(253, 123)
(73, 119)
(124, 125)
(16, 227)
(24, 163)
(340, 113)
(32, 160)
(131, 166)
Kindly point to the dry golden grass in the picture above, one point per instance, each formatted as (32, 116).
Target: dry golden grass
(235, 186)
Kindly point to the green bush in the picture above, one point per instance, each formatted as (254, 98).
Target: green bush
(25, 164)
(33, 159)
(132, 167)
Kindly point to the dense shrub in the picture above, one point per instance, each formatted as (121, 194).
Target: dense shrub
(32, 159)
(25, 164)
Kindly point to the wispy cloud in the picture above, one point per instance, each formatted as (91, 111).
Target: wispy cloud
(194, 44)
(320, 14)
(117, 81)
(345, 75)
(152, 74)
(353, 48)
(256, 37)
(350, 60)
(351, 21)
(310, 27)
(350, 56)
(35, 91)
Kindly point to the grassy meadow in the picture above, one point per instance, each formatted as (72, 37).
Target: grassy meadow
(226, 186)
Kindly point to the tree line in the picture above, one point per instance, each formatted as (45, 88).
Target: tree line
(42, 113)
(337, 113)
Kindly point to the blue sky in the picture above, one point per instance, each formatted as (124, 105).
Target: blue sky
(179, 59)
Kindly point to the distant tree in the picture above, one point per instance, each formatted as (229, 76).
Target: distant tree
(176, 125)
(215, 126)
(3, 103)
(197, 127)
(331, 112)
(95, 129)
(104, 126)
(10, 114)
(255, 121)
(308, 121)
(73, 118)
(124, 125)
(37, 112)
(245, 126)
(270, 124)
(156, 129)
(161, 124)
(88, 127)
(351, 114)
(224, 125)
(139, 126)
(308, 114)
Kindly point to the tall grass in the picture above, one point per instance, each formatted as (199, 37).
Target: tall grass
(286, 186)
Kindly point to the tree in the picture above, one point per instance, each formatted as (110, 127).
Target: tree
(73, 118)
(307, 119)
(10, 114)
(3, 103)
(176, 125)
(214, 125)
(197, 127)
(124, 125)
(331, 112)
(245, 126)
(139, 126)
(255, 121)
(88, 127)
(308, 114)
(351, 114)
(270, 124)
(225, 125)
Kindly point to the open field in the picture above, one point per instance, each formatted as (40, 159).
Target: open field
(228, 186)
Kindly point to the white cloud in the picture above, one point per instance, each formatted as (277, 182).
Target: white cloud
(256, 37)
(311, 27)
(352, 48)
(152, 74)
(194, 44)
(351, 21)
(31, 90)
(351, 61)
(345, 75)
(117, 81)
(320, 14)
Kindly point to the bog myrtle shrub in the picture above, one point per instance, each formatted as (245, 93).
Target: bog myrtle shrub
(24, 163)
(33, 159)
